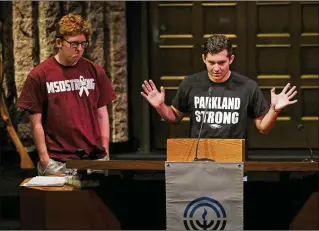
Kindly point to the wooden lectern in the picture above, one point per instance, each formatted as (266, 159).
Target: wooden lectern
(220, 150)
(205, 185)
(64, 208)
(233, 150)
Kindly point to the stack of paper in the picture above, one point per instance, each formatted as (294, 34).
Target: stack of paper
(46, 181)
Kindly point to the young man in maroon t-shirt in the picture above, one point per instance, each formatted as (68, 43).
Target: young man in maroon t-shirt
(67, 97)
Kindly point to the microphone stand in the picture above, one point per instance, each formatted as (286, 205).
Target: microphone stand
(311, 159)
(200, 131)
(196, 154)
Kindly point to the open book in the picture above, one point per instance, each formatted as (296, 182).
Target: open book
(46, 181)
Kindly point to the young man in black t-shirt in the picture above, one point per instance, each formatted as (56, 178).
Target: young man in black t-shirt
(222, 98)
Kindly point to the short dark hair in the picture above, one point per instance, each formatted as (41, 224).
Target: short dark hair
(217, 43)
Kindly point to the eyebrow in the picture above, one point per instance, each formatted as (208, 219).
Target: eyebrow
(220, 61)
(77, 41)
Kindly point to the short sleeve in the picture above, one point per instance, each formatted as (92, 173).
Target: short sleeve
(32, 95)
(180, 101)
(258, 105)
(107, 94)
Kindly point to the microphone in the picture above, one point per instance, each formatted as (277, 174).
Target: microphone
(210, 90)
(301, 129)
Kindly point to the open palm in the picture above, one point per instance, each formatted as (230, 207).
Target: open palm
(151, 94)
(281, 100)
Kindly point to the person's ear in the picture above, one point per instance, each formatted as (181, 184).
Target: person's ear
(58, 43)
(231, 59)
(204, 58)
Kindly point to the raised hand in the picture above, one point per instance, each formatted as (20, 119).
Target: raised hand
(281, 100)
(152, 95)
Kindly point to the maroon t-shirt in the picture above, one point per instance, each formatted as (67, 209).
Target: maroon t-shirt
(68, 98)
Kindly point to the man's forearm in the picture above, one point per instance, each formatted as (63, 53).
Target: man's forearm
(268, 121)
(105, 132)
(39, 140)
(167, 113)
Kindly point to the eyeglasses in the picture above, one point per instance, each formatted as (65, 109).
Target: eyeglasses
(76, 44)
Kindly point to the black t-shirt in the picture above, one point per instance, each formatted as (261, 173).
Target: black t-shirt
(229, 105)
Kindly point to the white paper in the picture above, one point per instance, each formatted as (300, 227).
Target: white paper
(46, 181)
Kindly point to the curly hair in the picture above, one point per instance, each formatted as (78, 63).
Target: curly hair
(71, 25)
(217, 43)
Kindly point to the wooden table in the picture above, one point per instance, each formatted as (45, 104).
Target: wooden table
(160, 165)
